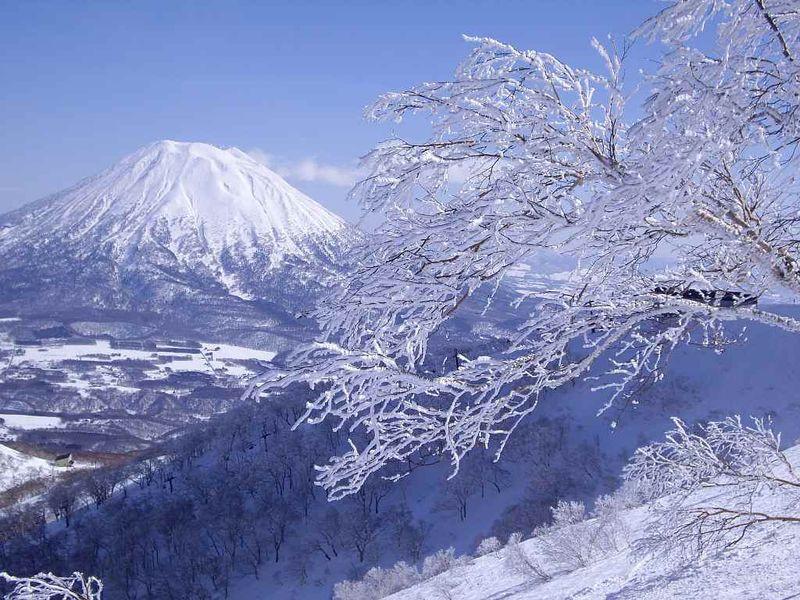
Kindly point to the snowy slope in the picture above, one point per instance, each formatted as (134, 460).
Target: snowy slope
(762, 566)
(184, 215)
(16, 468)
(755, 377)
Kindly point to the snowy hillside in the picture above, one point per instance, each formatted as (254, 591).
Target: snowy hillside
(170, 219)
(16, 467)
(563, 452)
(615, 554)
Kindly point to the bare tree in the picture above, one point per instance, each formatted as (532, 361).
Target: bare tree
(328, 531)
(360, 532)
(100, 485)
(277, 519)
(455, 496)
(62, 500)
(409, 535)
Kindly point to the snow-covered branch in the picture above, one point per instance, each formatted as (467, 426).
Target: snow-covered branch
(718, 482)
(526, 154)
(716, 454)
(46, 586)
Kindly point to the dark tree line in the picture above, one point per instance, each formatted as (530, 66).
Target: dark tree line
(222, 502)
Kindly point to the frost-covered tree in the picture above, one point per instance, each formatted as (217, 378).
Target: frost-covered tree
(46, 586)
(520, 562)
(378, 583)
(714, 454)
(488, 546)
(720, 481)
(529, 154)
(441, 561)
(573, 541)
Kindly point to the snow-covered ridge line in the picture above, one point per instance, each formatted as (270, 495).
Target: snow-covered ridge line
(204, 188)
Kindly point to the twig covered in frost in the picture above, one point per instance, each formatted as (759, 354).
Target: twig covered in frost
(714, 480)
(46, 586)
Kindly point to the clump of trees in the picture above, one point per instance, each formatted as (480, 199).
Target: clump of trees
(554, 461)
(699, 492)
(574, 540)
(571, 540)
(378, 583)
(234, 498)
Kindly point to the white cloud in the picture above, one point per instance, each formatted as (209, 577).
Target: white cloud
(311, 170)
(308, 169)
(262, 157)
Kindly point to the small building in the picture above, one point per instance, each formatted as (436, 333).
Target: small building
(63, 460)
(716, 298)
(127, 344)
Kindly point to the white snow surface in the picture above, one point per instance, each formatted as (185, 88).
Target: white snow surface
(26, 422)
(214, 359)
(17, 468)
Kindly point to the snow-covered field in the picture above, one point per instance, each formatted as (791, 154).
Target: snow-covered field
(26, 422)
(97, 367)
(67, 384)
(212, 358)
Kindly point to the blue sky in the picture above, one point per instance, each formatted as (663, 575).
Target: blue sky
(84, 83)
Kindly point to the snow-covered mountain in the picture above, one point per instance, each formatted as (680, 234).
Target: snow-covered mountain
(182, 246)
(172, 221)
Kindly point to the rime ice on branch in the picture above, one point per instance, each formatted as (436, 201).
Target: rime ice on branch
(546, 159)
(691, 467)
(46, 586)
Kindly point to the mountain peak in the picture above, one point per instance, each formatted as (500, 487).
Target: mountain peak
(194, 204)
(224, 195)
(194, 149)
